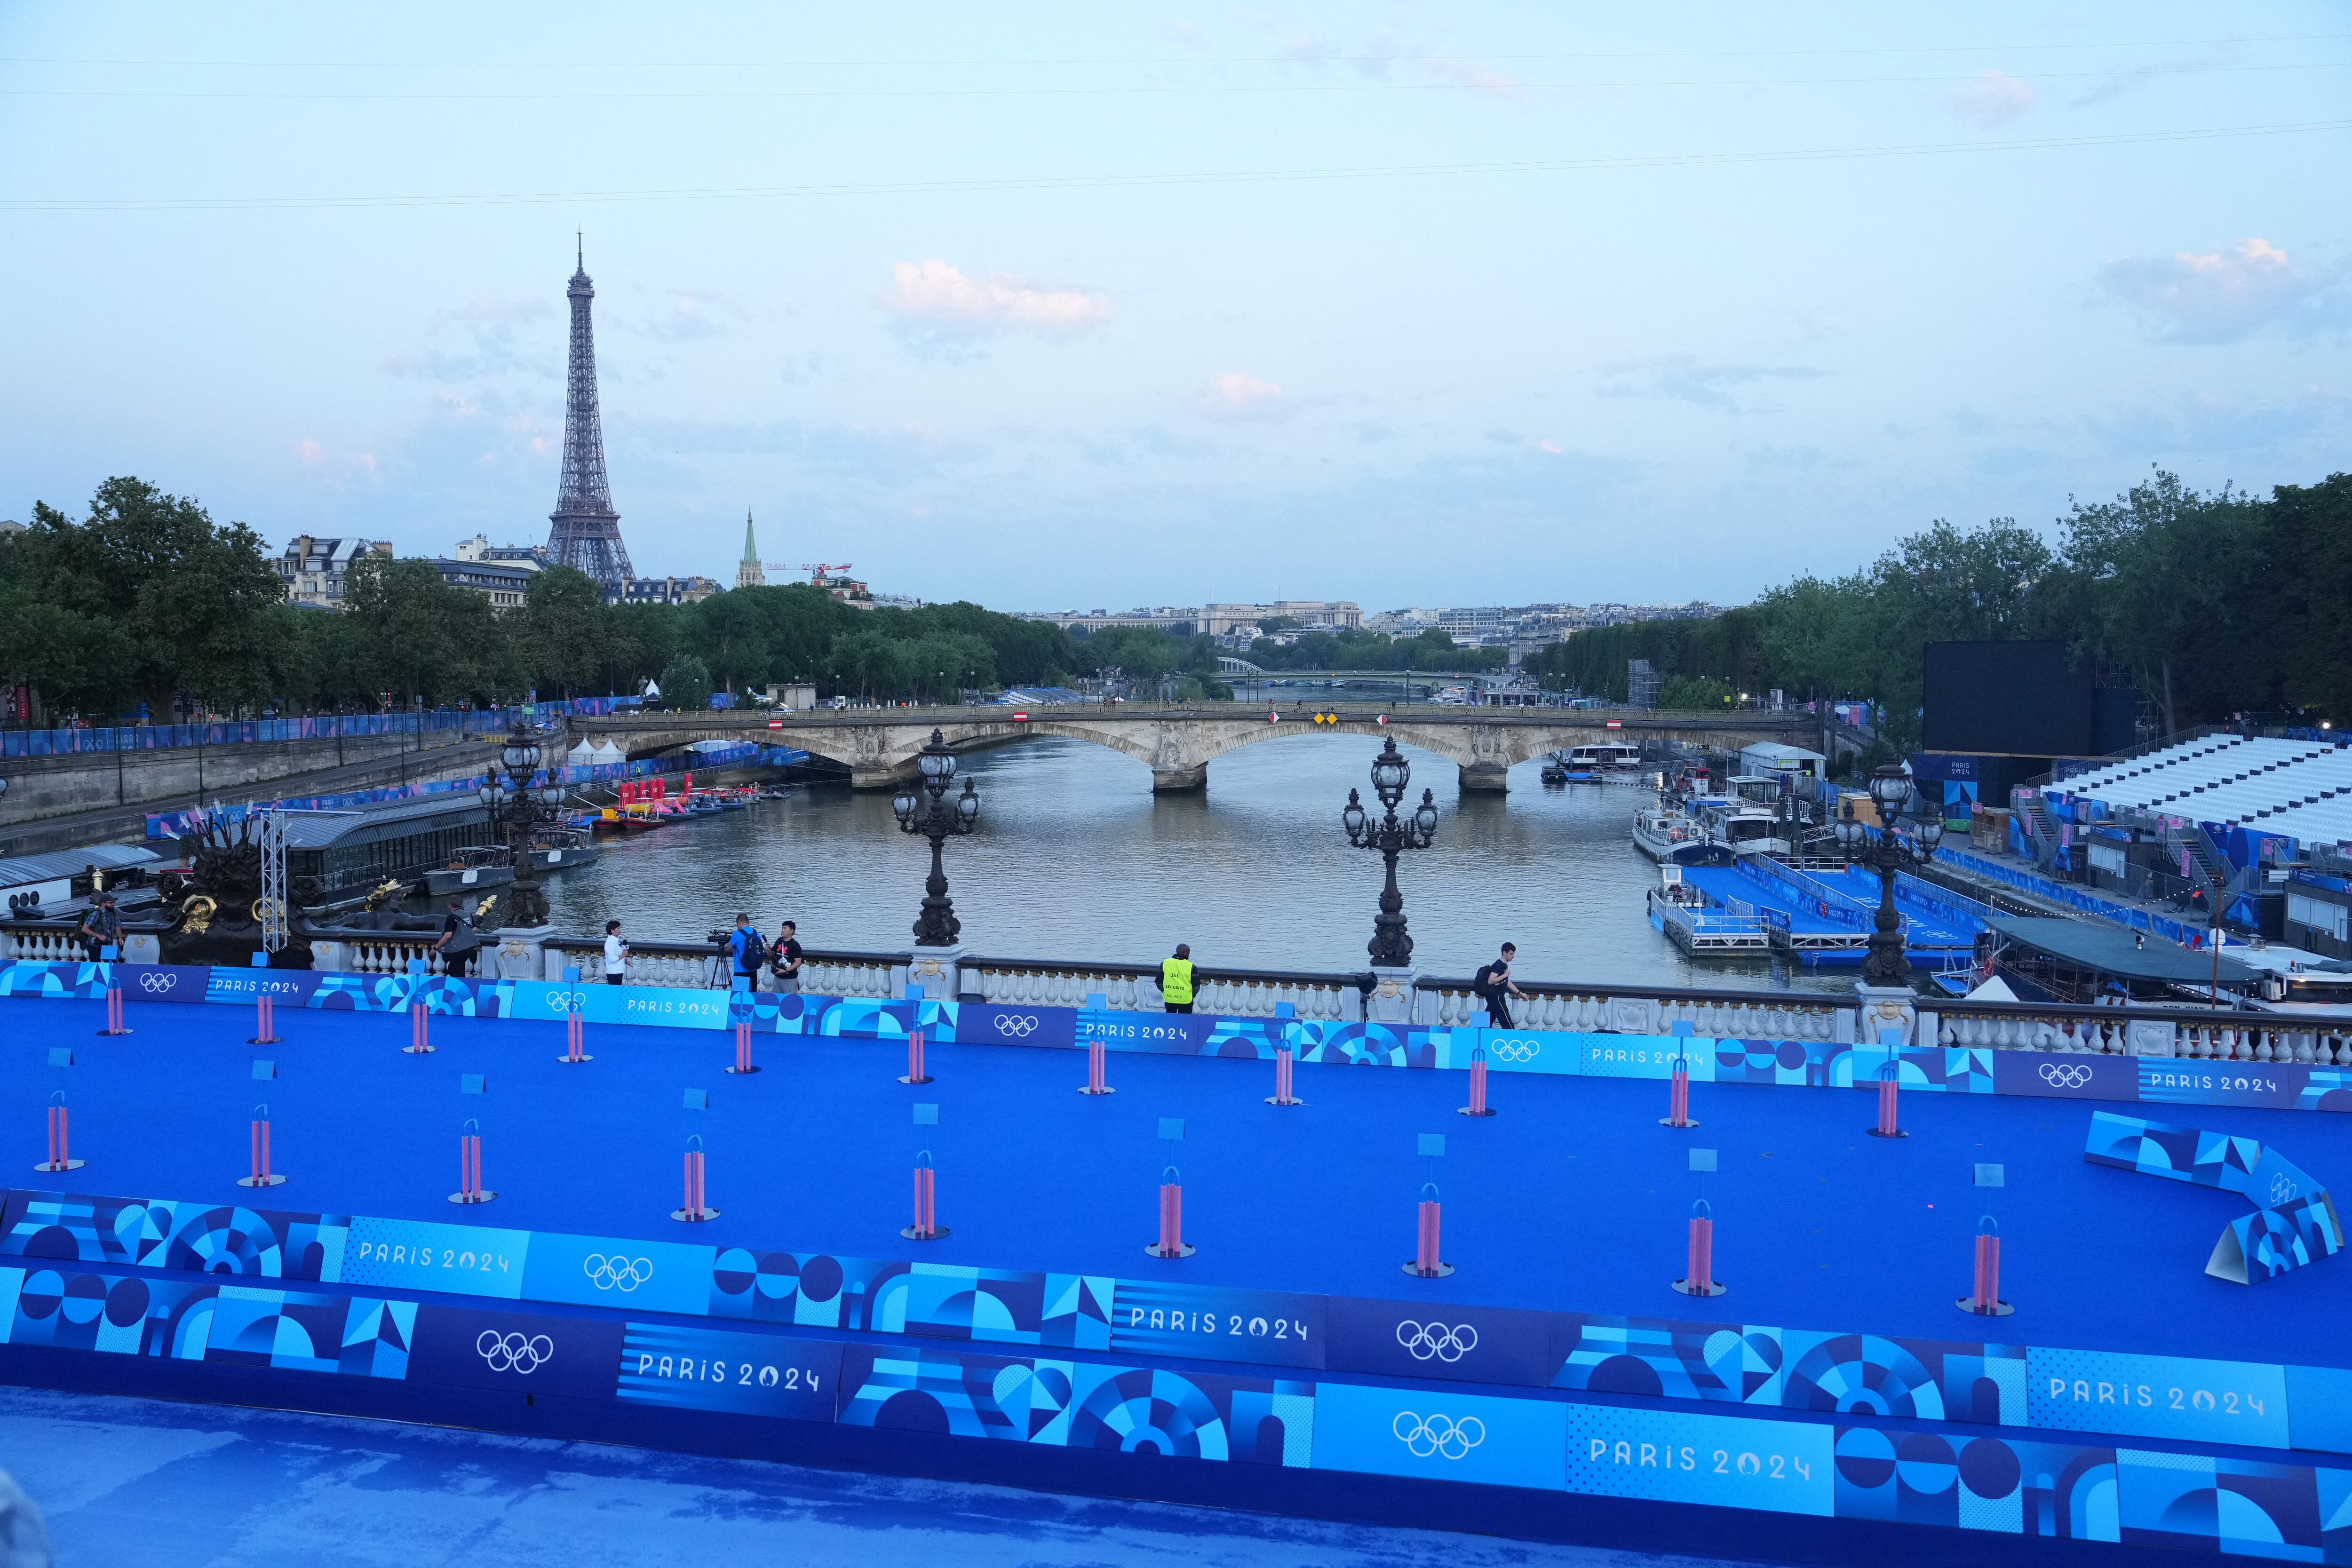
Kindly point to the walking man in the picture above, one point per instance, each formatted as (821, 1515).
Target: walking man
(616, 956)
(459, 940)
(101, 928)
(747, 949)
(785, 962)
(1176, 980)
(1494, 986)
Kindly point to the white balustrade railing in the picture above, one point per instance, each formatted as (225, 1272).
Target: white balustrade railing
(2189, 1034)
(44, 945)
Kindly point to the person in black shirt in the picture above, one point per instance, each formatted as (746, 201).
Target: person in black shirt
(1493, 984)
(785, 960)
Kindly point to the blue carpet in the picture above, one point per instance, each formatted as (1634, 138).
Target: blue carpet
(134, 1482)
(1572, 1198)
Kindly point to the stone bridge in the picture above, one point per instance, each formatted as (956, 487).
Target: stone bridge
(878, 745)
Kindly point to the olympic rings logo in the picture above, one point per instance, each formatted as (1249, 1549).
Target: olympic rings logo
(514, 1352)
(151, 981)
(1021, 1024)
(1447, 1345)
(617, 1273)
(2283, 1188)
(2066, 1076)
(1426, 1434)
(1514, 1050)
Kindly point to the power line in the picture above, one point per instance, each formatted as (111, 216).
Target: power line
(1107, 181)
(1144, 90)
(1399, 58)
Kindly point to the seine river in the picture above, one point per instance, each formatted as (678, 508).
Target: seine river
(1076, 858)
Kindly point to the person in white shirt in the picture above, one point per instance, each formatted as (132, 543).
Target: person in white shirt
(617, 954)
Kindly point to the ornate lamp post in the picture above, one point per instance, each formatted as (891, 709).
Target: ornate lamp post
(1390, 835)
(939, 820)
(1889, 853)
(517, 807)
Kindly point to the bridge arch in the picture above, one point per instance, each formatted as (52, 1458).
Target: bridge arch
(1178, 746)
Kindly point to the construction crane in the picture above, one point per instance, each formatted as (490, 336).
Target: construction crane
(818, 569)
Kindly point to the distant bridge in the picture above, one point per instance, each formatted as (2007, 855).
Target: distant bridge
(878, 745)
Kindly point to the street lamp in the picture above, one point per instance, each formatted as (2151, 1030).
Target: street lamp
(1391, 947)
(939, 820)
(517, 807)
(1889, 855)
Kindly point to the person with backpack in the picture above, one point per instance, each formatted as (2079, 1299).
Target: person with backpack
(458, 942)
(1176, 984)
(1494, 987)
(101, 928)
(747, 951)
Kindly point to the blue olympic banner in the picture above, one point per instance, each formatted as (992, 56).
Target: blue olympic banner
(520, 1353)
(740, 1374)
(1445, 1436)
(1794, 1063)
(1722, 1461)
(1916, 1475)
(1758, 1366)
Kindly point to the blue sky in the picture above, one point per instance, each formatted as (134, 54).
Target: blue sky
(1076, 306)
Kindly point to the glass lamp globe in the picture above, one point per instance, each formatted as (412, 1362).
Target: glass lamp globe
(1888, 787)
(488, 790)
(903, 804)
(1391, 772)
(968, 805)
(1931, 832)
(936, 761)
(1426, 817)
(1353, 817)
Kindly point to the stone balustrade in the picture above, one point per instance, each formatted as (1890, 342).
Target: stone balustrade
(2186, 1032)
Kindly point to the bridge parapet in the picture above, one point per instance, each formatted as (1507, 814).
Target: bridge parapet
(878, 746)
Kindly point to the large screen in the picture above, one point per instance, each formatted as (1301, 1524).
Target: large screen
(2011, 698)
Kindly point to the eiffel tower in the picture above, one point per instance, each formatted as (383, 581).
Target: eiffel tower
(587, 532)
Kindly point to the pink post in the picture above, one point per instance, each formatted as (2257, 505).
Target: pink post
(1282, 1064)
(915, 1073)
(417, 1044)
(1678, 1096)
(1425, 1255)
(926, 1225)
(469, 1167)
(60, 1141)
(695, 1206)
(1477, 1106)
(261, 1175)
(266, 1015)
(113, 1004)
(1097, 1070)
(1887, 1092)
(743, 1049)
(1702, 1256)
(1984, 1294)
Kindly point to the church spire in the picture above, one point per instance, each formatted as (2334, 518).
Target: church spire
(748, 574)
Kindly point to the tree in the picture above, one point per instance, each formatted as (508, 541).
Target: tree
(564, 630)
(189, 599)
(2308, 557)
(685, 684)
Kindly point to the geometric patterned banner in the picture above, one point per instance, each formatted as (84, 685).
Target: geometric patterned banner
(2294, 1224)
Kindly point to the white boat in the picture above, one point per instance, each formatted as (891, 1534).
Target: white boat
(1666, 834)
(1744, 826)
(1608, 757)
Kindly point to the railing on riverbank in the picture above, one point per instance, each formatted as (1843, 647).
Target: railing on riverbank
(2186, 1032)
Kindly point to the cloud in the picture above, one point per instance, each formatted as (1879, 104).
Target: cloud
(1238, 394)
(493, 310)
(1482, 80)
(2227, 295)
(309, 452)
(936, 302)
(1992, 98)
(1684, 379)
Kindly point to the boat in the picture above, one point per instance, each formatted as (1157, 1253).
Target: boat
(473, 867)
(1744, 826)
(1606, 757)
(1666, 834)
(562, 851)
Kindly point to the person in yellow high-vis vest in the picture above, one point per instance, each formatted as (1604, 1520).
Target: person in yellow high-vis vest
(1176, 980)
